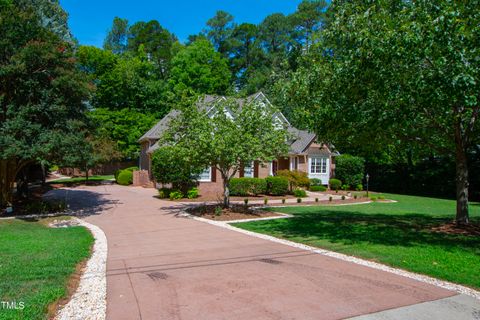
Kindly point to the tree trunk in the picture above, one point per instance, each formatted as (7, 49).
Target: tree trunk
(8, 172)
(461, 177)
(86, 174)
(226, 193)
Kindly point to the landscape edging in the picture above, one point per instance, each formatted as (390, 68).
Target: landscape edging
(375, 265)
(89, 300)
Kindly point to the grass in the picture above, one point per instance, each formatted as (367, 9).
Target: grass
(36, 263)
(397, 234)
(82, 179)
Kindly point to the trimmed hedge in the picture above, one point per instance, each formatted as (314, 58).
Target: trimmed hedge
(318, 188)
(277, 186)
(247, 186)
(125, 178)
(131, 169)
(335, 184)
(315, 182)
(299, 193)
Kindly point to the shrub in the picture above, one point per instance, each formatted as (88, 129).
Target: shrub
(173, 165)
(381, 198)
(349, 169)
(125, 178)
(316, 199)
(300, 193)
(245, 201)
(192, 193)
(218, 211)
(247, 186)
(315, 182)
(117, 173)
(345, 187)
(283, 200)
(277, 186)
(258, 186)
(330, 198)
(355, 197)
(359, 187)
(318, 188)
(299, 200)
(343, 197)
(175, 195)
(131, 169)
(373, 198)
(265, 201)
(164, 193)
(295, 178)
(335, 184)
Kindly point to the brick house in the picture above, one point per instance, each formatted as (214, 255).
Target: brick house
(305, 152)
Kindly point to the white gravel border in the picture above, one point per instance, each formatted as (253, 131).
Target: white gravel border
(419, 277)
(89, 301)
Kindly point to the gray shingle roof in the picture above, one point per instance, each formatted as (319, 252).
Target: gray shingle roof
(160, 127)
(300, 141)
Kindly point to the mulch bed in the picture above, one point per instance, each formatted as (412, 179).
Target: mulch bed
(452, 228)
(321, 203)
(235, 212)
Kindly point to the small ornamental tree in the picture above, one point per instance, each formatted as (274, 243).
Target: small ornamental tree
(175, 165)
(227, 136)
(349, 169)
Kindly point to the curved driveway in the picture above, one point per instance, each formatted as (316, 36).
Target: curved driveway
(164, 266)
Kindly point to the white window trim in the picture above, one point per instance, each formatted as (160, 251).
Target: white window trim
(209, 179)
(252, 169)
(323, 161)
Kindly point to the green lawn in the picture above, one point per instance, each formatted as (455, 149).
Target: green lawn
(36, 263)
(396, 234)
(82, 179)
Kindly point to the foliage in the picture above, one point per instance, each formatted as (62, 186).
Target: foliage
(175, 195)
(164, 193)
(176, 165)
(299, 193)
(42, 93)
(199, 68)
(219, 31)
(123, 126)
(295, 178)
(227, 137)
(116, 40)
(349, 169)
(192, 193)
(319, 188)
(400, 234)
(277, 186)
(247, 186)
(383, 76)
(359, 187)
(315, 182)
(30, 251)
(335, 184)
(125, 178)
(345, 187)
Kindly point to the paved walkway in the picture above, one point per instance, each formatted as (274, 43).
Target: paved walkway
(162, 266)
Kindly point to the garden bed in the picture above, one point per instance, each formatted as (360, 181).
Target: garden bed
(235, 212)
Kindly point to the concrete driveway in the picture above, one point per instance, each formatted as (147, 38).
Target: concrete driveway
(162, 266)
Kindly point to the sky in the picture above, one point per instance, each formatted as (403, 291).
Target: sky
(90, 20)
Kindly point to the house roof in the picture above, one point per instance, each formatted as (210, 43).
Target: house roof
(158, 129)
(300, 141)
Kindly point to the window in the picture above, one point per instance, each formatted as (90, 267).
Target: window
(206, 175)
(248, 170)
(318, 165)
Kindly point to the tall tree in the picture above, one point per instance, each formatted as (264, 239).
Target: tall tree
(308, 19)
(245, 53)
(117, 37)
(156, 41)
(42, 94)
(219, 30)
(227, 142)
(398, 71)
(200, 68)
